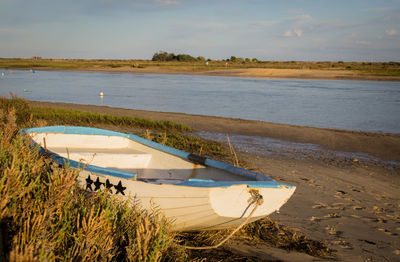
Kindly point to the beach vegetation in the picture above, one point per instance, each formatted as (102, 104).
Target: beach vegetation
(55, 116)
(46, 216)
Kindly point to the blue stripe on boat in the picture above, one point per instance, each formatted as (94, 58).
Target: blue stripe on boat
(260, 181)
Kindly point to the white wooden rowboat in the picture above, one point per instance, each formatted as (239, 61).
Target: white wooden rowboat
(195, 192)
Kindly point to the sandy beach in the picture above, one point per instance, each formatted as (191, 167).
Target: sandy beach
(352, 205)
(268, 73)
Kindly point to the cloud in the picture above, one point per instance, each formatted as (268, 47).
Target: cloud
(167, 2)
(296, 32)
(391, 32)
(303, 17)
(288, 33)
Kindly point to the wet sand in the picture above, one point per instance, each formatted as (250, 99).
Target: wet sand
(352, 205)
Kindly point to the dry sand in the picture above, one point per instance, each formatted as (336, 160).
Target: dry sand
(274, 73)
(352, 205)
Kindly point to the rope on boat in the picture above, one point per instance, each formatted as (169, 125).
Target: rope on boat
(256, 199)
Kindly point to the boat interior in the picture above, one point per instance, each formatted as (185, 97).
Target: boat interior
(123, 154)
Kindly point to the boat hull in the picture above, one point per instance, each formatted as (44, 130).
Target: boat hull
(193, 192)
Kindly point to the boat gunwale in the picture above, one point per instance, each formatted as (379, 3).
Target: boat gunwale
(257, 180)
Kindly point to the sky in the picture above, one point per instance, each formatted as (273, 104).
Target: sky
(301, 30)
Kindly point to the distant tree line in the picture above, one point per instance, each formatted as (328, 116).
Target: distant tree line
(235, 59)
(165, 56)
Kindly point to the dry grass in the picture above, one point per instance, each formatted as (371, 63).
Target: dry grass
(45, 215)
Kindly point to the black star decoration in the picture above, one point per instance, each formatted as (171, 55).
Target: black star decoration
(108, 185)
(89, 183)
(97, 184)
(120, 188)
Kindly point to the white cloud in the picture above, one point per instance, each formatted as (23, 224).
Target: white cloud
(167, 2)
(288, 33)
(298, 32)
(391, 32)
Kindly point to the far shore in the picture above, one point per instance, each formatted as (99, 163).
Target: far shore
(259, 73)
(328, 70)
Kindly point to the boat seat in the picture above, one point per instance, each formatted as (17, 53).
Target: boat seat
(123, 158)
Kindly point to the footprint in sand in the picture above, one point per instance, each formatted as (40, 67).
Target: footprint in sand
(315, 185)
(379, 197)
(370, 219)
(396, 217)
(340, 205)
(316, 219)
(335, 208)
(377, 210)
(332, 231)
(332, 215)
(388, 232)
(342, 244)
(319, 205)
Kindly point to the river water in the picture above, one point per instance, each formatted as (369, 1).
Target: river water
(340, 104)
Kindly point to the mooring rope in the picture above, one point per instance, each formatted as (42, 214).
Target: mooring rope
(256, 199)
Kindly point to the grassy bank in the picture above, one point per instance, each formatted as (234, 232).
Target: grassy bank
(44, 215)
(362, 68)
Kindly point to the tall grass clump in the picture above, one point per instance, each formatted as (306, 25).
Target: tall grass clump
(22, 111)
(46, 216)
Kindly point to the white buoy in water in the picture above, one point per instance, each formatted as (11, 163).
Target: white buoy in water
(101, 94)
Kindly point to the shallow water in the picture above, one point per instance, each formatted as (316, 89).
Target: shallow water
(351, 105)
